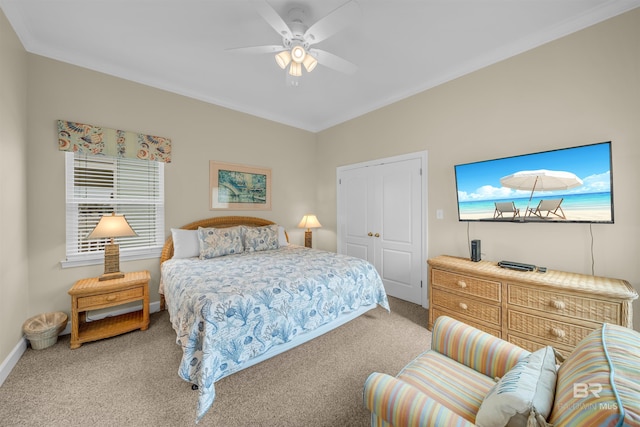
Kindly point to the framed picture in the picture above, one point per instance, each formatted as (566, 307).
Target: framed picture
(239, 187)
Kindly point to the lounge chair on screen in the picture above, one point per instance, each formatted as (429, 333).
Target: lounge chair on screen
(550, 206)
(508, 208)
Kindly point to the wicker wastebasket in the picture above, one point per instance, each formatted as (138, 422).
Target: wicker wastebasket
(42, 330)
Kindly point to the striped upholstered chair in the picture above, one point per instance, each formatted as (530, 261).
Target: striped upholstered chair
(445, 385)
(597, 385)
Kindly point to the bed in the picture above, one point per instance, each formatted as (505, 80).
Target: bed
(238, 307)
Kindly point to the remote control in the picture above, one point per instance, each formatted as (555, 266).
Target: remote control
(517, 266)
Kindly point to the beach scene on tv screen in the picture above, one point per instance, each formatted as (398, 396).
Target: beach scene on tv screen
(566, 185)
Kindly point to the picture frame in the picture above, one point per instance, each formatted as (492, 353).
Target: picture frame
(239, 187)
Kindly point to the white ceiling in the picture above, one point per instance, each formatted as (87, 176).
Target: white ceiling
(401, 47)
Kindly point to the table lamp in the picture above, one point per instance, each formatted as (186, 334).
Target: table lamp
(309, 221)
(111, 226)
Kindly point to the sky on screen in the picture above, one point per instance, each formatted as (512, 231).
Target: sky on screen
(481, 180)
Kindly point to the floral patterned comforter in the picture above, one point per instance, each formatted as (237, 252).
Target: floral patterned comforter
(230, 309)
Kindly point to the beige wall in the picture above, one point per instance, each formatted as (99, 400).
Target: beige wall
(584, 88)
(14, 289)
(200, 132)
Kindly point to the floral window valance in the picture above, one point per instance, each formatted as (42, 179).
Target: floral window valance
(96, 140)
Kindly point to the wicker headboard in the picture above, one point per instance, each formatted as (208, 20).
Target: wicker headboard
(218, 222)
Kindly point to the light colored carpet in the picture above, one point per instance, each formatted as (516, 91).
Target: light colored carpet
(132, 379)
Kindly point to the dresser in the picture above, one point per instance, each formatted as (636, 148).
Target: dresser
(527, 308)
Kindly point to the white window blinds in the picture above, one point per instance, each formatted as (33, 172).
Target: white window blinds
(100, 185)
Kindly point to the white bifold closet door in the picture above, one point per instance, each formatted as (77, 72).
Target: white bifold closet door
(380, 208)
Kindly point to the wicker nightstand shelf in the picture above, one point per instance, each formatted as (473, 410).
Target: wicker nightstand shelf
(93, 294)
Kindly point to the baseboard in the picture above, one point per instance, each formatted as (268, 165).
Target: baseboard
(12, 360)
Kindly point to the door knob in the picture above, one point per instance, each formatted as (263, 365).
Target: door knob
(369, 234)
(377, 234)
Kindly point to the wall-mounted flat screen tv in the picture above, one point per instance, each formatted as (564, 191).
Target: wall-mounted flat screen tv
(567, 185)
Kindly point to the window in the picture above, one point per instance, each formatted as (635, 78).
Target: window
(100, 185)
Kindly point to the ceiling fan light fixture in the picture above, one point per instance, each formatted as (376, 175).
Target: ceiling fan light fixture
(283, 59)
(295, 69)
(309, 63)
(298, 54)
(299, 36)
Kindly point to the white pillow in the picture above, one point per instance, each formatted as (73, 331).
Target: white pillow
(524, 394)
(282, 237)
(185, 243)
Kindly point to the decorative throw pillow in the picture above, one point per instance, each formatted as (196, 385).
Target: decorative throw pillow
(215, 242)
(523, 395)
(599, 383)
(185, 243)
(261, 238)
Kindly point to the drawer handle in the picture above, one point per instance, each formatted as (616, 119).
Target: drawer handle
(462, 284)
(557, 332)
(560, 305)
(111, 298)
(463, 306)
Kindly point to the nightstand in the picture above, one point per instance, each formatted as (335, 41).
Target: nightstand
(93, 294)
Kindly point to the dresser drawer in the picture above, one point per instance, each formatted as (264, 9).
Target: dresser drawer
(533, 345)
(564, 304)
(546, 330)
(109, 299)
(437, 312)
(466, 284)
(527, 344)
(467, 306)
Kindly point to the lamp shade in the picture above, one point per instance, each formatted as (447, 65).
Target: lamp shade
(309, 63)
(295, 69)
(112, 226)
(309, 221)
(283, 59)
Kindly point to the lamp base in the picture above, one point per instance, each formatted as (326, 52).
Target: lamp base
(111, 263)
(111, 276)
(307, 239)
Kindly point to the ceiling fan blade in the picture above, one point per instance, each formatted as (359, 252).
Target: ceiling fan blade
(273, 48)
(334, 62)
(333, 22)
(271, 16)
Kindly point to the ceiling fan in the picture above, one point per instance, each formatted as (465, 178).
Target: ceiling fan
(296, 50)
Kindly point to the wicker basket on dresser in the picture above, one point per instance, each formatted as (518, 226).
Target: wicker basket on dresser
(529, 309)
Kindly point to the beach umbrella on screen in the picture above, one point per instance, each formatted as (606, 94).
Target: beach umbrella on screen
(540, 180)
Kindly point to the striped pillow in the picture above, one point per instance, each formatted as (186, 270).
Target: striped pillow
(599, 383)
